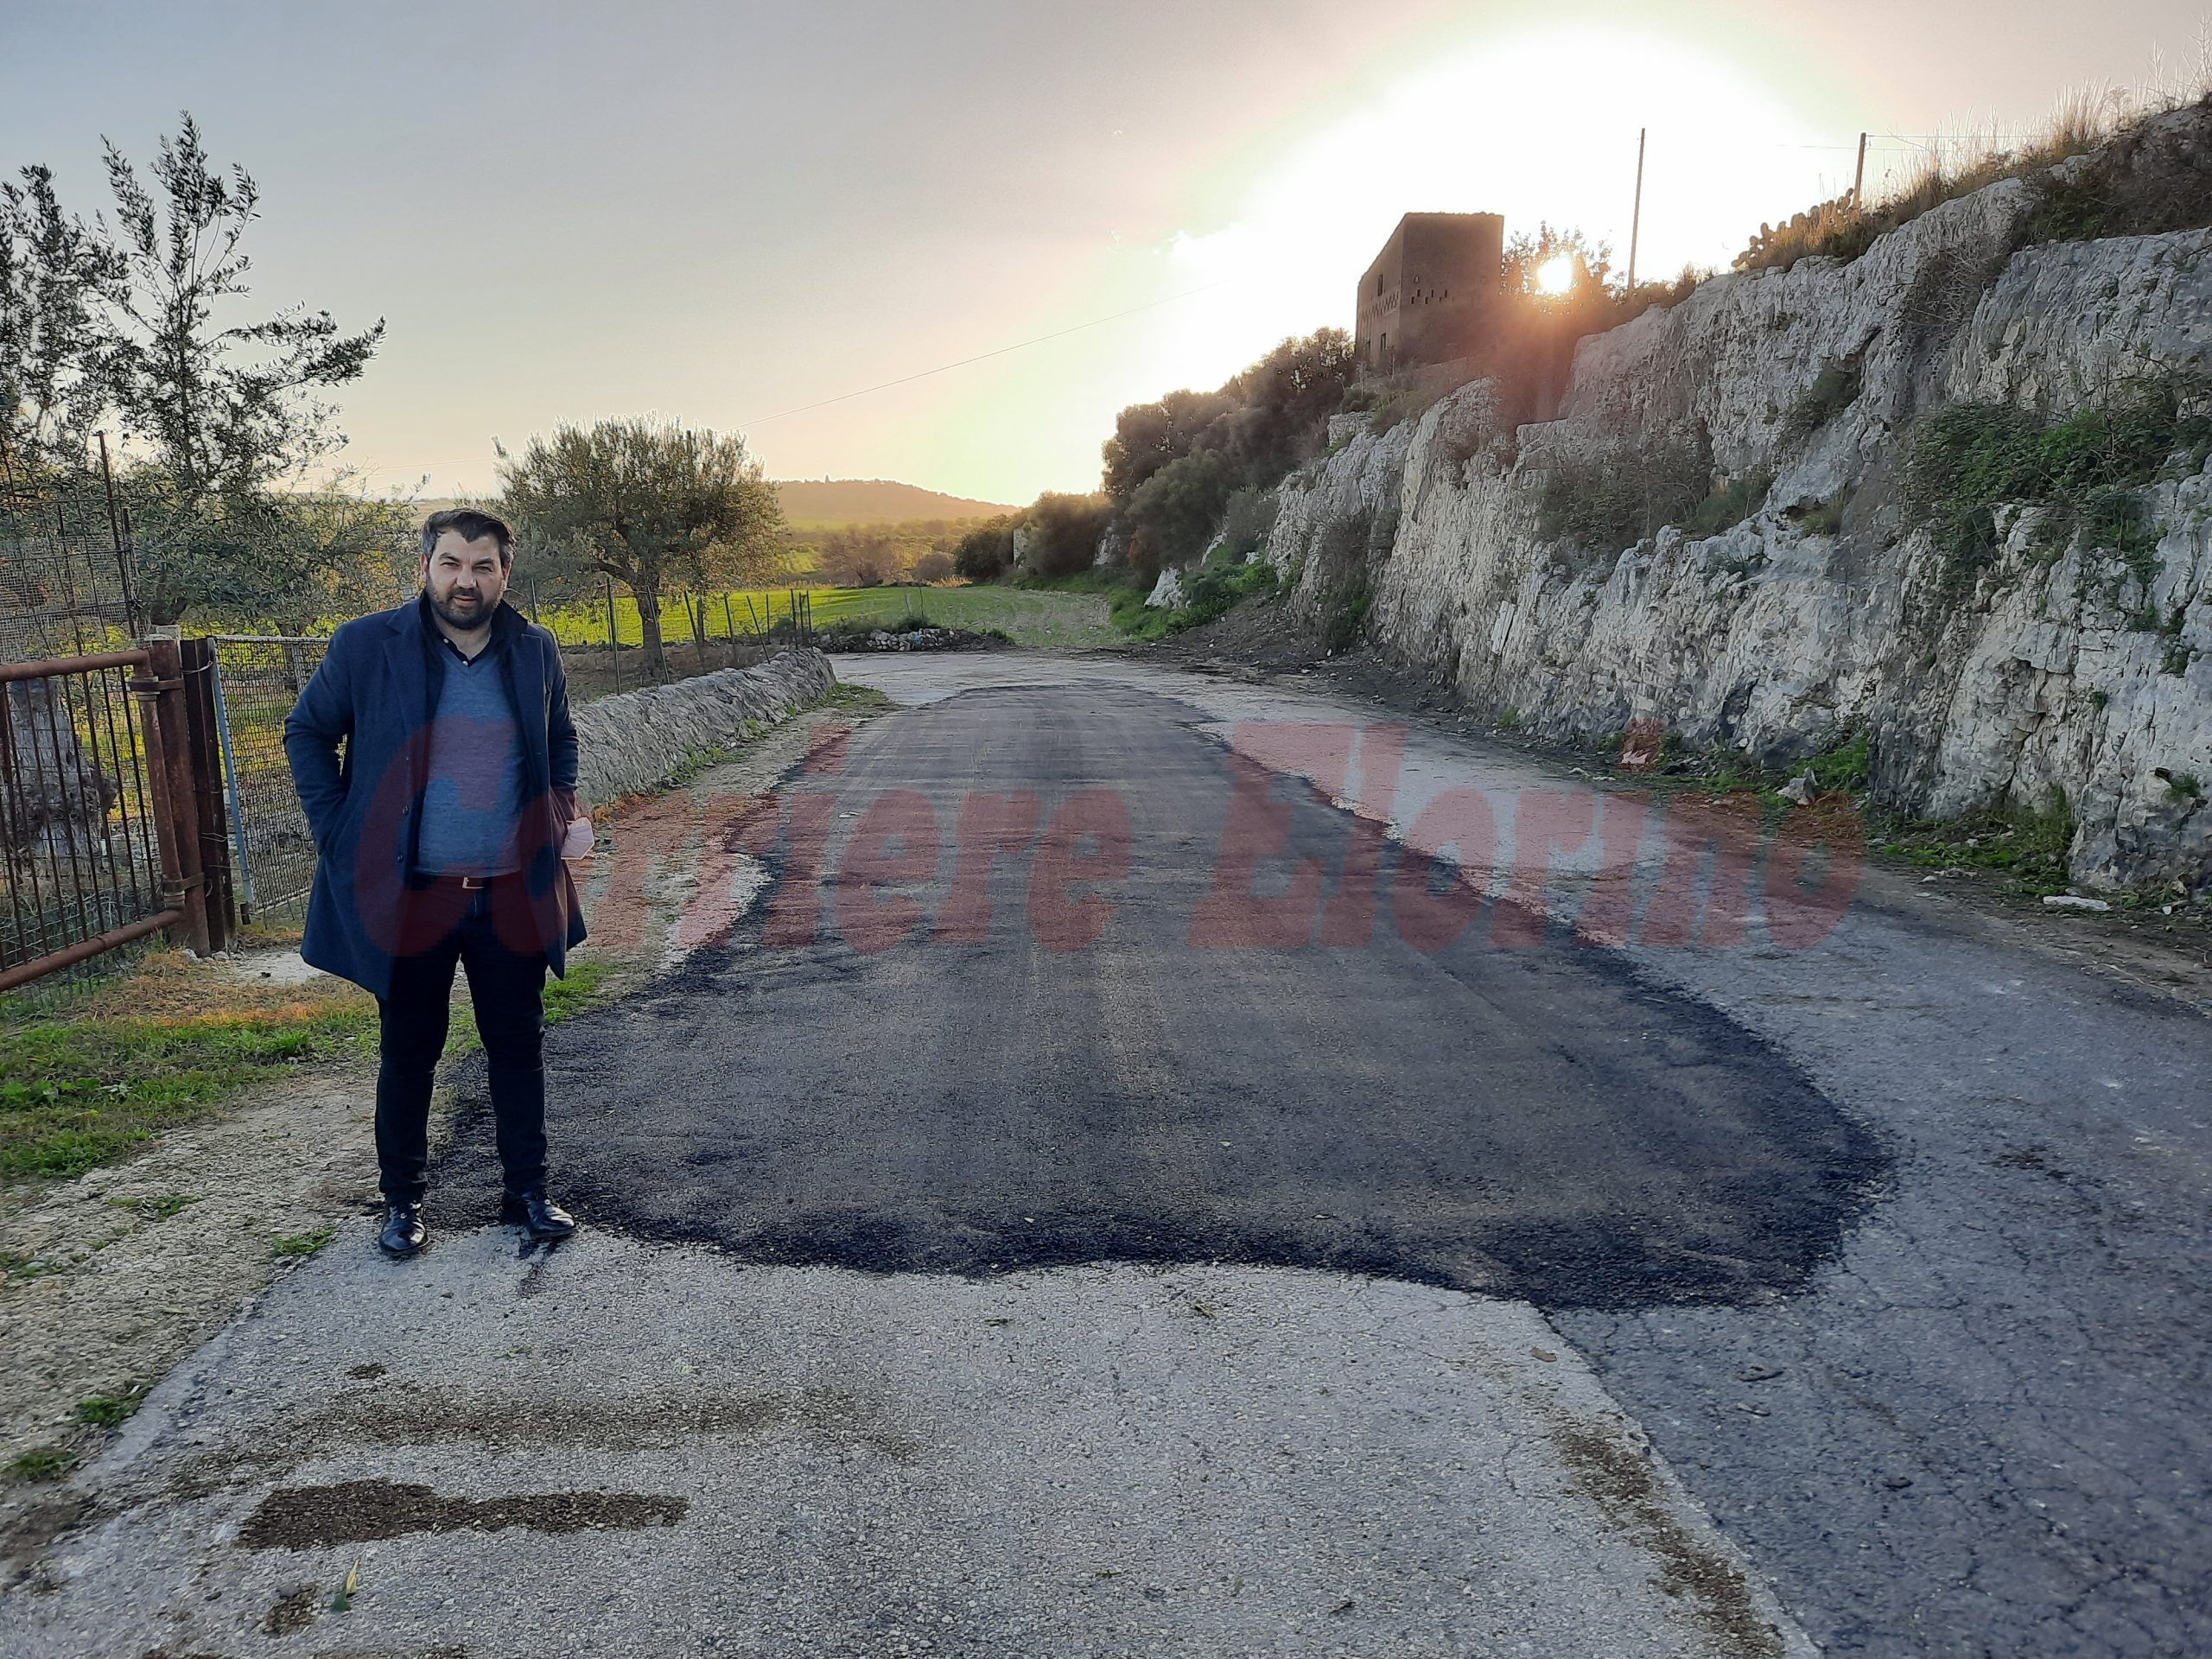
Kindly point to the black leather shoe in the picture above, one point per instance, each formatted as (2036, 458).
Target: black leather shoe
(403, 1232)
(540, 1217)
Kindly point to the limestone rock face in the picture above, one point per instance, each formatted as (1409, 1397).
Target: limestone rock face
(1166, 593)
(2060, 666)
(636, 740)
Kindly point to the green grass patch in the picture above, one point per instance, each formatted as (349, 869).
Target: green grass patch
(1731, 502)
(42, 1462)
(1344, 613)
(1835, 389)
(169, 1043)
(160, 1209)
(298, 1246)
(2028, 845)
(1128, 617)
(1847, 765)
(159, 1048)
(1209, 591)
(856, 699)
(112, 1410)
(1824, 518)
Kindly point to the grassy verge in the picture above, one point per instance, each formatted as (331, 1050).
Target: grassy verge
(159, 1044)
(170, 1040)
(1210, 590)
(856, 699)
(1041, 618)
(2022, 849)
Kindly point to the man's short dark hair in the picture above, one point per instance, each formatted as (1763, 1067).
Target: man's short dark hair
(471, 525)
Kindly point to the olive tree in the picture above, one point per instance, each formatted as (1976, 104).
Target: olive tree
(655, 504)
(138, 326)
(223, 407)
(57, 276)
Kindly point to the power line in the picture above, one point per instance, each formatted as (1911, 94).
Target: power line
(1020, 345)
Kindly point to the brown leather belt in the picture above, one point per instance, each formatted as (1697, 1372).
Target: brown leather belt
(462, 883)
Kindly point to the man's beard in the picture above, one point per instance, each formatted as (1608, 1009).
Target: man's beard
(466, 617)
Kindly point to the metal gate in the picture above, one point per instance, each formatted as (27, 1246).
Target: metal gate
(112, 823)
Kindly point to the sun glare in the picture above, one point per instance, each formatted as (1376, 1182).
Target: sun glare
(1555, 275)
(1284, 253)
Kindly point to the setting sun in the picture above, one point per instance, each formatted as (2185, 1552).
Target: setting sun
(1555, 275)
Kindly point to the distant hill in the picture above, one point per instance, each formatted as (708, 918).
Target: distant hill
(825, 504)
(831, 504)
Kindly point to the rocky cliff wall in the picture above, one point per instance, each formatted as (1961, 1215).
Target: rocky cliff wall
(637, 741)
(2063, 657)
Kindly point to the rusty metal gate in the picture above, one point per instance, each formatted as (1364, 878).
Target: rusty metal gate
(113, 821)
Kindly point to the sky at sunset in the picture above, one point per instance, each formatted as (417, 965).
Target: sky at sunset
(729, 213)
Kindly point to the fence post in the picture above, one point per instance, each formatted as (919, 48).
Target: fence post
(119, 524)
(176, 828)
(198, 657)
(614, 641)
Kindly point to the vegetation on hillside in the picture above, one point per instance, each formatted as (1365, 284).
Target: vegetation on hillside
(869, 556)
(2083, 474)
(1188, 480)
(2147, 179)
(1171, 469)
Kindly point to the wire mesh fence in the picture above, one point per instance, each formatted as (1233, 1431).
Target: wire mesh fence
(259, 678)
(80, 785)
(602, 640)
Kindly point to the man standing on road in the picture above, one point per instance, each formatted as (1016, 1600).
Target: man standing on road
(441, 832)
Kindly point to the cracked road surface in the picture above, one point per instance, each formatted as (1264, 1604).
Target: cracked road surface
(982, 1264)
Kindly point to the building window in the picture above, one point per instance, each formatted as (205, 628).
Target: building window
(1378, 284)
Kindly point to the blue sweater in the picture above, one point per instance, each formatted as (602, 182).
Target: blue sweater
(472, 797)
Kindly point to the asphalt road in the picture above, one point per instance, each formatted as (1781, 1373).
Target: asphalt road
(1536, 1121)
(1169, 1257)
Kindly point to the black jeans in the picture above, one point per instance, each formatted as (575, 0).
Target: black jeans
(508, 990)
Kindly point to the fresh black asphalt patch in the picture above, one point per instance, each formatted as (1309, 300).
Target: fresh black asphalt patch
(1086, 1083)
(366, 1511)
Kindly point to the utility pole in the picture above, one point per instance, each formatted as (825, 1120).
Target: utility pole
(1635, 218)
(1859, 179)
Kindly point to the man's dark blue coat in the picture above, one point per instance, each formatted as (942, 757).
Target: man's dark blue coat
(377, 690)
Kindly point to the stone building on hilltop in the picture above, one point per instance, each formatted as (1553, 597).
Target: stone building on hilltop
(1430, 294)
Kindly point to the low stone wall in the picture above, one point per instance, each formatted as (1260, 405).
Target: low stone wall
(637, 741)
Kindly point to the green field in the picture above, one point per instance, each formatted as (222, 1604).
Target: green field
(1064, 621)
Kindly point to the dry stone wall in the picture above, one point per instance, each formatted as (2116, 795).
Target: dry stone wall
(2072, 668)
(637, 741)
